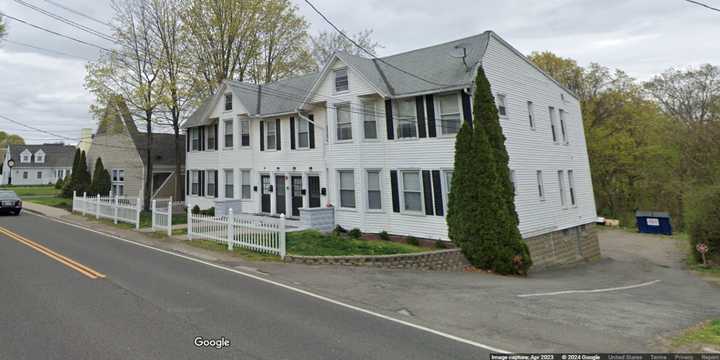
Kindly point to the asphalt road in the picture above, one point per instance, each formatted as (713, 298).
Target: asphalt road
(152, 305)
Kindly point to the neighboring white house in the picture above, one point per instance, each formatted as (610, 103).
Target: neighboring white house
(37, 164)
(375, 139)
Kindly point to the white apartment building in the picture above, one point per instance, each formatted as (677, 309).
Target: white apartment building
(375, 139)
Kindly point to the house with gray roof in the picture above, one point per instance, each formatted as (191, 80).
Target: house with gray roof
(122, 148)
(373, 139)
(36, 164)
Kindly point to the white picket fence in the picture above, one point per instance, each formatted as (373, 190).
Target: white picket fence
(256, 233)
(162, 210)
(108, 207)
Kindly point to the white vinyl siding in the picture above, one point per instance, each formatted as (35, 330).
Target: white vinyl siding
(344, 122)
(245, 184)
(347, 188)
(369, 120)
(406, 118)
(449, 113)
(411, 191)
(229, 184)
(373, 189)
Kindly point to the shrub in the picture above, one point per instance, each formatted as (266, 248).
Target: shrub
(440, 244)
(339, 230)
(702, 213)
(59, 184)
(195, 209)
(355, 233)
(384, 235)
(412, 241)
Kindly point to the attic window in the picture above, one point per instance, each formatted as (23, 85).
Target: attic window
(25, 157)
(341, 80)
(39, 158)
(228, 102)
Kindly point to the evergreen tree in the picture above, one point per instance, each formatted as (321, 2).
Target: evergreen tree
(70, 182)
(100, 180)
(83, 177)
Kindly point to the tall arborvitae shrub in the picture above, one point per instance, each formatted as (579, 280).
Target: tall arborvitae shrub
(481, 216)
(83, 178)
(70, 182)
(100, 180)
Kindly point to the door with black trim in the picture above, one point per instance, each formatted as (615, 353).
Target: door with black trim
(297, 196)
(314, 191)
(280, 194)
(265, 193)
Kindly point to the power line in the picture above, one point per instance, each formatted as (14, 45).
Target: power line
(703, 5)
(67, 21)
(55, 32)
(46, 50)
(370, 53)
(78, 13)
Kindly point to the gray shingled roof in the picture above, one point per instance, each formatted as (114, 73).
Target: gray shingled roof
(56, 155)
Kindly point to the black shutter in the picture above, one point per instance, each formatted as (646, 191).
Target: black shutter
(216, 183)
(292, 133)
(430, 106)
(187, 182)
(420, 109)
(201, 181)
(395, 194)
(389, 120)
(187, 139)
(311, 131)
(262, 135)
(427, 191)
(278, 140)
(467, 109)
(215, 129)
(437, 191)
(202, 138)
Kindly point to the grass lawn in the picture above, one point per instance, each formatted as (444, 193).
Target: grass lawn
(237, 251)
(45, 190)
(314, 243)
(707, 333)
(54, 201)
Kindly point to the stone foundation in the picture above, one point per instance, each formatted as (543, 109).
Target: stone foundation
(564, 247)
(441, 260)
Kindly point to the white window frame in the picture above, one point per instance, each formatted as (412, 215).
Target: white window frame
(378, 190)
(245, 184)
(210, 180)
(336, 72)
(244, 125)
(540, 185)
(340, 189)
(404, 190)
(194, 182)
(338, 108)
(441, 114)
(563, 127)
(502, 108)
(39, 175)
(25, 175)
(26, 156)
(446, 186)
(299, 133)
(370, 116)
(117, 181)
(531, 115)
(398, 118)
(571, 187)
(553, 124)
(194, 139)
(210, 135)
(561, 187)
(270, 125)
(39, 157)
(231, 183)
(225, 102)
(231, 129)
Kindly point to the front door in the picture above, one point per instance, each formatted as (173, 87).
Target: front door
(265, 191)
(280, 194)
(314, 191)
(297, 198)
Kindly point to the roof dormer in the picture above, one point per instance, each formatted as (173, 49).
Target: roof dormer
(39, 156)
(26, 156)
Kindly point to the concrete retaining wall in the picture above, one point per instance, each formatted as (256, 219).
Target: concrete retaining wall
(441, 260)
(564, 247)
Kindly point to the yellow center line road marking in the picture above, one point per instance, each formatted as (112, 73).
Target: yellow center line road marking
(85, 270)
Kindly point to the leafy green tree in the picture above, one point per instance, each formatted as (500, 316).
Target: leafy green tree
(100, 180)
(3, 29)
(703, 217)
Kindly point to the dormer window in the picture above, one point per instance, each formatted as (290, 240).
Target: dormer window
(341, 80)
(25, 156)
(40, 157)
(228, 102)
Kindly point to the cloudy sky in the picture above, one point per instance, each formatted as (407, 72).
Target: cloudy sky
(642, 37)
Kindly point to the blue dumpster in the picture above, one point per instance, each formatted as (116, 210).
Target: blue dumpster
(653, 222)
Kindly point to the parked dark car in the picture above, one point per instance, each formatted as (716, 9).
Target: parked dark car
(10, 202)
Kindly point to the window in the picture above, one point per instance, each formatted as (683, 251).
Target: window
(531, 114)
(406, 119)
(553, 126)
(211, 186)
(347, 188)
(502, 108)
(412, 192)
(303, 134)
(571, 184)
(563, 129)
(229, 184)
(25, 174)
(245, 133)
(194, 182)
(540, 185)
(211, 137)
(228, 133)
(448, 185)
(60, 174)
(341, 80)
(228, 102)
(25, 157)
(369, 120)
(39, 174)
(513, 181)
(373, 188)
(39, 157)
(195, 136)
(344, 122)
(561, 185)
(270, 138)
(245, 184)
(118, 181)
(449, 114)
